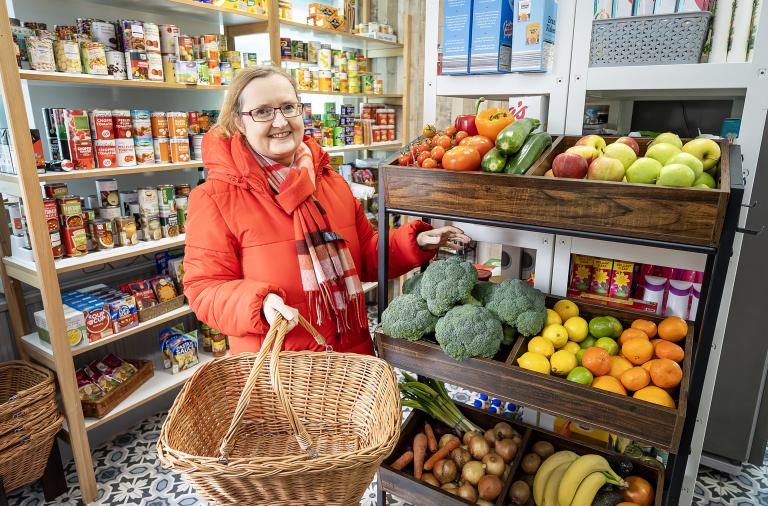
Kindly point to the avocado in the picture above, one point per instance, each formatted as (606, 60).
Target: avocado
(609, 498)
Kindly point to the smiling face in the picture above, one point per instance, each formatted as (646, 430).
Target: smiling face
(279, 138)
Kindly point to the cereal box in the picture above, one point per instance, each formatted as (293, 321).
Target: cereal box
(457, 35)
(582, 267)
(621, 279)
(533, 38)
(601, 278)
(491, 47)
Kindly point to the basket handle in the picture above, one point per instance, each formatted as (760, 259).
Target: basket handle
(273, 343)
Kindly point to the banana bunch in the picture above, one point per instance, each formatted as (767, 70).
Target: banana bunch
(566, 479)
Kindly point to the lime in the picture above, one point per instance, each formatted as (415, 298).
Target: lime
(618, 328)
(541, 346)
(563, 362)
(553, 317)
(566, 309)
(580, 375)
(579, 355)
(557, 334)
(601, 326)
(572, 347)
(577, 328)
(534, 362)
(588, 342)
(608, 344)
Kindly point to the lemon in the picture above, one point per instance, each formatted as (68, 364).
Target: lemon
(541, 346)
(563, 362)
(566, 309)
(557, 334)
(572, 347)
(553, 317)
(577, 327)
(534, 362)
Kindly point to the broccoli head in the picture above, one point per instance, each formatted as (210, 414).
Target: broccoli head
(447, 282)
(413, 284)
(482, 291)
(519, 305)
(469, 331)
(407, 317)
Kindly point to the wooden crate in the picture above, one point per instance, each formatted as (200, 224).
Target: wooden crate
(97, 409)
(642, 421)
(414, 491)
(679, 215)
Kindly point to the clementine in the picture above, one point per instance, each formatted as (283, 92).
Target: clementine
(610, 384)
(597, 360)
(647, 365)
(638, 350)
(665, 349)
(635, 379)
(646, 326)
(666, 373)
(618, 366)
(673, 328)
(632, 334)
(655, 395)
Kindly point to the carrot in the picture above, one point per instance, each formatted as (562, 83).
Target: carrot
(431, 440)
(402, 461)
(419, 452)
(441, 453)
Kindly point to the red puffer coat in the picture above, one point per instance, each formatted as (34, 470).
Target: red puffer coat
(240, 247)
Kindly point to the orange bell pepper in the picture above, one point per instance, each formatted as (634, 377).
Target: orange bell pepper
(492, 121)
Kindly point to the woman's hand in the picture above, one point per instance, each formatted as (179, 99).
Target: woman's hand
(274, 305)
(438, 237)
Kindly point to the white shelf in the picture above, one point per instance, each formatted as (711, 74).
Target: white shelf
(204, 12)
(66, 79)
(496, 86)
(389, 145)
(117, 171)
(43, 350)
(722, 77)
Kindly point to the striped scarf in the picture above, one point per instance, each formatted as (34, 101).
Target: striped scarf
(328, 275)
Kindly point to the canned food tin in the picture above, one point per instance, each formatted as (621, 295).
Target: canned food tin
(354, 84)
(162, 148)
(56, 190)
(324, 79)
(324, 58)
(179, 150)
(69, 206)
(121, 120)
(210, 47)
(203, 72)
(150, 226)
(51, 215)
(168, 36)
(102, 127)
(177, 124)
(182, 190)
(56, 247)
(126, 199)
(169, 225)
(197, 147)
(110, 212)
(227, 73)
(126, 152)
(142, 124)
(192, 125)
(338, 136)
(352, 67)
(126, 230)
(151, 38)
(106, 154)
(101, 232)
(166, 195)
(107, 191)
(169, 67)
(75, 241)
(378, 87)
(155, 67)
(159, 123)
(145, 152)
(233, 58)
(181, 212)
(15, 214)
(343, 82)
(362, 63)
(367, 83)
(148, 203)
(313, 47)
(298, 50)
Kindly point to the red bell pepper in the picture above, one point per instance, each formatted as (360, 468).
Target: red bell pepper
(466, 122)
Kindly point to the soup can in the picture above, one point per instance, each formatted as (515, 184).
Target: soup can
(110, 212)
(107, 192)
(145, 152)
(51, 215)
(121, 119)
(148, 203)
(126, 230)
(162, 149)
(150, 227)
(126, 152)
(177, 124)
(142, 124)
(354, 84)
(56, 247)
(101, 232)
(181, 212)
(75, 241)
(169, 225)
(127, 198)
(166, 195)
(159, 124)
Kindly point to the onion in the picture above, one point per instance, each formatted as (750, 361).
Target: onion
(478, 447)
(494, 464)
(451, 487)
(490, 436)
(468, 492)
(460, 456)
(445, 470)
(507, 449)
(503, 430)
(489, 487)
(473, 471)
(444, 440)
(430, 478)
(469, 435)
(518, 439)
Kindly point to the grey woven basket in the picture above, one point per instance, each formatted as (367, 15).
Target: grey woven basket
(649, 40)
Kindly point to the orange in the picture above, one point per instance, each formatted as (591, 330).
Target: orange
(646, 326)
(618, 366)
(597, 360)
(610, 384)
(647, 365)
(673, 329)
(655, 395)
(635, 379)
(638, 350)
(666, 373)
(665, 349)
(632, 334)
(654, 342)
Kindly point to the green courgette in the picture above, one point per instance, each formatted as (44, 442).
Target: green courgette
(512, 138)
(493, 161)
(534, 146)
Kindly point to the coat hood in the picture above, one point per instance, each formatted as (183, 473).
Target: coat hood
(229, 159)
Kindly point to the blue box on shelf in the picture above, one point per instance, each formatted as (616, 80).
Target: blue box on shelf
(533, 39)
(457, 36)
(492, 27)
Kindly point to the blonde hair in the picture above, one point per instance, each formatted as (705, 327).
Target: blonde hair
(229, 116)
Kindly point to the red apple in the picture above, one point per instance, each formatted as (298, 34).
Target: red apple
(595, 141)
(606, 169)
(569, 165)
(632, 143)
(588, 153)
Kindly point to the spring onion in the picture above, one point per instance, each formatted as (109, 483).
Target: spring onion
(431, 397)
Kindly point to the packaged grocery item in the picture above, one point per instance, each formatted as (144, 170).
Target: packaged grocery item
(145, 152)
(51, 214)
(116, 367)
(205, 337)
(169, 67)
(601, 279)
(55, 190)
(164, 288)
(89, 391)
(57, 249)
(166, 195)
(159, 123)
(227, 73)
(126, 199)
(179, 350)
(533, 36)
(176, 268)
(126, 231)
(105, 33)
(210, 47)
(75, 241)
(192, 124)
(107, 192)
(169, 224)
(155, 67)
(136, 65)
(68, 56)
(250, 60)
(168, 38)
(133, 35)
(218, 343)
(179, 150)
(123, 124)
(126, 152)
(101, 231)
(151, 38)
(106, 383)
(142, 292)
(182, 190)
(102, 127)
(186, 72)
(74, 322)
(456, 39)
(150, 228)
(621, 280)
(142, 124)
(234, 58)
(162, 149)
(78, 134)
(41, 54)
(110, 213)
(147, 199)
(196, 148)
(185, 50)
(94, 58)
(581, 272)
(116, 64)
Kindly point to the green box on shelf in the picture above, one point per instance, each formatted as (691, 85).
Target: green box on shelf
(74, 321)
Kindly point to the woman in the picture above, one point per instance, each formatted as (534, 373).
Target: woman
(275, 230)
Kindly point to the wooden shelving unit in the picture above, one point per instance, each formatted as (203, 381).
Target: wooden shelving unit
(43, 272)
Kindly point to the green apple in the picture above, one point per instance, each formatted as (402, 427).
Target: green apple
(706, 150)
(592, 140)
(623, 153)
(668, 138)
(606, 169)
(644, 170)
(676, 174)
(689, 160)
(702, 185)
(662, 152)
(706, 180)
(588, 153)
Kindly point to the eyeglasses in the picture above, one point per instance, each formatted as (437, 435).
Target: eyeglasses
(268, 113)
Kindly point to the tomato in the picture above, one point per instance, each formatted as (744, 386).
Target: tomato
(437, 153)
(443, 141)
(480, 143)
(460, 136)
(426, 144)
(462, 158)
(429, 163)
(428, 131)
(639, 491)
(450, 131)
(416, 148)
(422, 156)
(404, 159)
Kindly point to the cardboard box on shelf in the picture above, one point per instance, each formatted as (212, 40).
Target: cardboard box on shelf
(457, 36)
(74, 321)
(491, 46)
(533, 35)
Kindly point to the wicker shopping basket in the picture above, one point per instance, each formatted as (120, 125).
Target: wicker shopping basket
(313, 431)
(22, 385)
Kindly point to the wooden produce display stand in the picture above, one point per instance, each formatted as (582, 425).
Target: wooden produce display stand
(44, 272)
(561, 206)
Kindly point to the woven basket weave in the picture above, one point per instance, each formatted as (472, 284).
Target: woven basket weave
(313, 431)
(22, 385)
